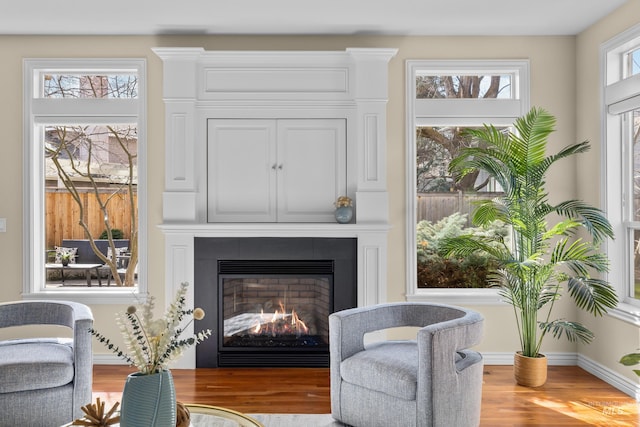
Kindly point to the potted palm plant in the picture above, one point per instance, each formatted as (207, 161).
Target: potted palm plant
(552, 248)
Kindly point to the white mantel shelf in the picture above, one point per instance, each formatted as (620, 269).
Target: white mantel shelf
(273, 229)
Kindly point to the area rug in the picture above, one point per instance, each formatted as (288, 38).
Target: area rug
(279, 420)
(297, 420)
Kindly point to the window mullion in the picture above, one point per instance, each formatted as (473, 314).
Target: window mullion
(85, 107)
(476, 108)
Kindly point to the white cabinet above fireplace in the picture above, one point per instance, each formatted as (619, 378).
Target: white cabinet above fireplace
(265, 170)
(200, 86)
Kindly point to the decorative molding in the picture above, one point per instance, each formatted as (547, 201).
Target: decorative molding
(276, 80)
(369, 294)
(179, 137)
(371, 148)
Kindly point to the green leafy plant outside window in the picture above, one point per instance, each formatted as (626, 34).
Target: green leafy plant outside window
(436, 271)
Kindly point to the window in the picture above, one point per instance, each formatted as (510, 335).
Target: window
(443, 99)
(621, 93)
(85, 151)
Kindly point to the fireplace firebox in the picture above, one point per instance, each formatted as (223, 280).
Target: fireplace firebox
(267, 306)
(270, 306)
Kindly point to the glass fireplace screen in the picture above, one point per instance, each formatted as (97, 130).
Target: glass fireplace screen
(287, 309)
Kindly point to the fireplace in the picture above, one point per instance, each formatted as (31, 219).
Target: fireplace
(198, 86)
(268, 299)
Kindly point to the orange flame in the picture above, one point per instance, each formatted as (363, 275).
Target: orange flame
(280, 323)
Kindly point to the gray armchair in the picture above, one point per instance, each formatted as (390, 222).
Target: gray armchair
(45, 381)
(435, 380)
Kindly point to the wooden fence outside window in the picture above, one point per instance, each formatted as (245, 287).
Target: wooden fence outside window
(435, 206)
(62, 213)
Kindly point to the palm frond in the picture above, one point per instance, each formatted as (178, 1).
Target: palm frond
(533, 130)
(488, 211)
(593, 219)
(573, 331)
(579, 256)
(562, 228)
(465, 245)
(592, 294)
(593, 260)
(549, 294)
(510, 287)
(539, 170)
(487, 159)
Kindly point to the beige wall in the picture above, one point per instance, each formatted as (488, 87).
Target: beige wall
(613, 337)
(553, 75)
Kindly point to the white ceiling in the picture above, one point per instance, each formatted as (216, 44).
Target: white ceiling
(387, 17)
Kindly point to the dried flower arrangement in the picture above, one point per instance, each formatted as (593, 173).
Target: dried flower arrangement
(151, 344)
(343, 201)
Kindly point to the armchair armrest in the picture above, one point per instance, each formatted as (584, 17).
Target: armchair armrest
(446, 361)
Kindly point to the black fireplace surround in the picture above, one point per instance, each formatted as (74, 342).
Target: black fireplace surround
(238, 280)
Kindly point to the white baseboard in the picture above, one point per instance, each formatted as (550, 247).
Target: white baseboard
(556, 359)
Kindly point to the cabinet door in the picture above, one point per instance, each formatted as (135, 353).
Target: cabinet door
(241, 170)
(312, 169)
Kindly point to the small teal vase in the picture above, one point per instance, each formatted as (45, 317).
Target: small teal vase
(148, 400)
(344, 214)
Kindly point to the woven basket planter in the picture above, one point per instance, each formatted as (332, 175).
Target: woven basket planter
(530, 371)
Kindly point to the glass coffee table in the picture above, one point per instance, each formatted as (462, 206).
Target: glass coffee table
(215, 416)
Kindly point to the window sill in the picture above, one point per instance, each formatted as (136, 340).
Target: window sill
(90, 296)
(457, 296)
(627, 313)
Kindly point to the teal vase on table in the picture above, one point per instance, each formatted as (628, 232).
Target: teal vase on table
(148, 400)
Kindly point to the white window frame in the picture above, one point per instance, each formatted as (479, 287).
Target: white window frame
(37, 111)
(462, 112)
(620, 94)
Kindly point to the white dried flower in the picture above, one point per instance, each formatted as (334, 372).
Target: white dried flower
(151, 344)
(198, 314)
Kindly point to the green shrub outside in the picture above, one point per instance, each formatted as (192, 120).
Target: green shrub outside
(434, 271)
(116, 233)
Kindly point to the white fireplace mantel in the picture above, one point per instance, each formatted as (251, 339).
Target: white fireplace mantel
(199, 85)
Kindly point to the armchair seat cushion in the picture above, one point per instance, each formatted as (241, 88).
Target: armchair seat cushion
(389, 367)
(34, 364)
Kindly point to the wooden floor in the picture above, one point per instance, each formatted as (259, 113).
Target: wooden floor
(571, 396)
